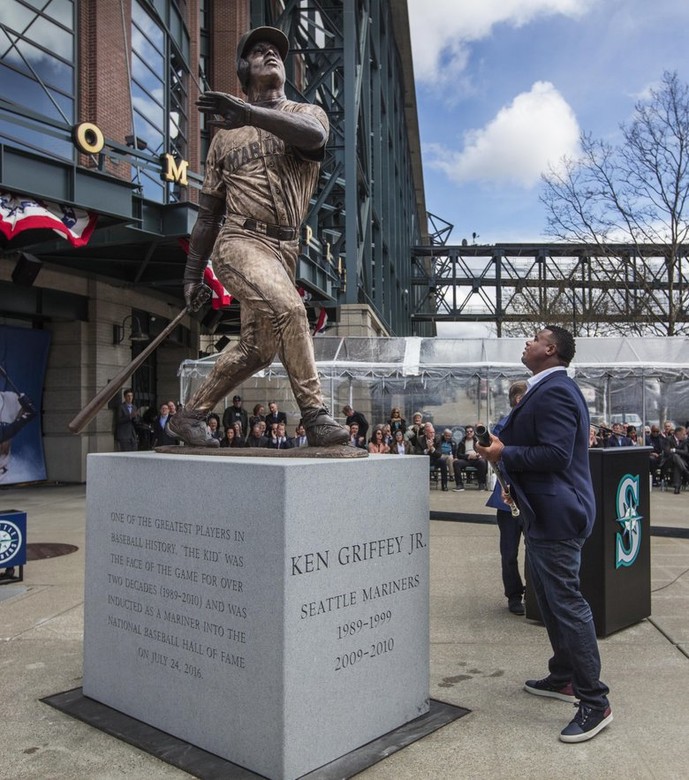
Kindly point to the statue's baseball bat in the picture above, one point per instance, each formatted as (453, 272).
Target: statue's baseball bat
(98, 402)
(484, 439)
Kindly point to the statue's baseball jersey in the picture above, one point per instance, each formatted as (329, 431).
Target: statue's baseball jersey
(260, 176)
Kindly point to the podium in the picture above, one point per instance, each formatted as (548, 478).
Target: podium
(616, 559)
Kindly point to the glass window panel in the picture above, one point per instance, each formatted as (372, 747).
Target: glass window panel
(62, 11)
(148, 108)
(161, 7)
(174, 124)
(52, 38)
(148, 28)
(50, 70)
(66, 104)
(35, 141)
(176, 28)
(178, 147)
(24, 91)
(15, 16)
(143, 76)
(152, 188)
(151, 56)
(152, 135)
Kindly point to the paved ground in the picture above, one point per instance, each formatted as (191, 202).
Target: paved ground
(480, 655)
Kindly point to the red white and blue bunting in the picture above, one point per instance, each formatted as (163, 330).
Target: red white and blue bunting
(22, 212)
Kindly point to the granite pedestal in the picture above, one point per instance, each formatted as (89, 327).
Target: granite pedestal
(274, 612)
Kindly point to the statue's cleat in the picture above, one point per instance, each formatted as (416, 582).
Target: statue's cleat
(190, 426)
(322, 430)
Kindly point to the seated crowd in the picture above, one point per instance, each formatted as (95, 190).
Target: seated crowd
(669, 456)
(451, 459)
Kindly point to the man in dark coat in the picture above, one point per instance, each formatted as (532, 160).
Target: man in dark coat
(126, 417)
(543, 447)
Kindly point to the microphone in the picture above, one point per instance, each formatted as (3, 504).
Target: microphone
(483, 438)
(601, 428)
(482, 435)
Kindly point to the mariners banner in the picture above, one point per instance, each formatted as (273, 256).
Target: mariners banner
(23, 358)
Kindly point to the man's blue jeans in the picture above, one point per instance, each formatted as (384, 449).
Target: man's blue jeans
(554, 573)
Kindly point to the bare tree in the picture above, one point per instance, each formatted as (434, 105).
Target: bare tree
(629, 205)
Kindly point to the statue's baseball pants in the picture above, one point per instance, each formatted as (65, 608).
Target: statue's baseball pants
(260, 272)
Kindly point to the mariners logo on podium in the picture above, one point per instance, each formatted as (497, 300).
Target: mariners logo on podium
(628, 539)
(10, 541)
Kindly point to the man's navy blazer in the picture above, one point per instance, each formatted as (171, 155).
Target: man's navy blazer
(622, 441)
(546, 456)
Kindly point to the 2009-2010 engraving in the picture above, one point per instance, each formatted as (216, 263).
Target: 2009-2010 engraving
(360, 654)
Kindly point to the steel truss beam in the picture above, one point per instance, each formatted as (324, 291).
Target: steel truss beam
(347, 60)
(638, 289)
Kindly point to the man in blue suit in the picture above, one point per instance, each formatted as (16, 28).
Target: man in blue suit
(543, 447)
(618, 439)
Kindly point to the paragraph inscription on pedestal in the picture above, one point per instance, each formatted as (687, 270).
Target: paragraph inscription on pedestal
(183, 595)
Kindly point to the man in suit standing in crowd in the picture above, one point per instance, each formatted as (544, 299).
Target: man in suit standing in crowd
(543, 447)
(160, 436)
(356, 417)
(236, 413)
(126, 416)
(274, 416)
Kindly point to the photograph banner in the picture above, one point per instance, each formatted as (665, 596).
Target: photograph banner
(23, 359)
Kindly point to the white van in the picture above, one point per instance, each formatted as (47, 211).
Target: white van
(627, 419)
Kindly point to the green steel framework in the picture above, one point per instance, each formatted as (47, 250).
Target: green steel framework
(370, 207)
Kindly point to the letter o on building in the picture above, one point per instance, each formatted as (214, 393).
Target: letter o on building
(88, 138)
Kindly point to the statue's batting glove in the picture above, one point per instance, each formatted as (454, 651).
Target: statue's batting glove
(234, 111)
(196, 295)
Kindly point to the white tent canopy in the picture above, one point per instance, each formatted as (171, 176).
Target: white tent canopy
(646, 377)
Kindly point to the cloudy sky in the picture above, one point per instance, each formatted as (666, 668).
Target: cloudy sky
(505, 87)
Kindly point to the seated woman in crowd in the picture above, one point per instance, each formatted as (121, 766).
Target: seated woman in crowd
(376, 444)
(594, 440)
(258, 414)
(397, 422)
(231, 439)
(400, 446)
(388, 437)
(238, 432)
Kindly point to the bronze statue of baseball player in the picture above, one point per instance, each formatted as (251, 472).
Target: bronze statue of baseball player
(261, 170)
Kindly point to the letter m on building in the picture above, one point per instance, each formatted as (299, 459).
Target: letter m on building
(172, 170)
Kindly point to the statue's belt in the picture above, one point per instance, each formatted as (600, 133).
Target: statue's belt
(280, 232)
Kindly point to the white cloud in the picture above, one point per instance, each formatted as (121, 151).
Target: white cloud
(442, 29)
(534, 131)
